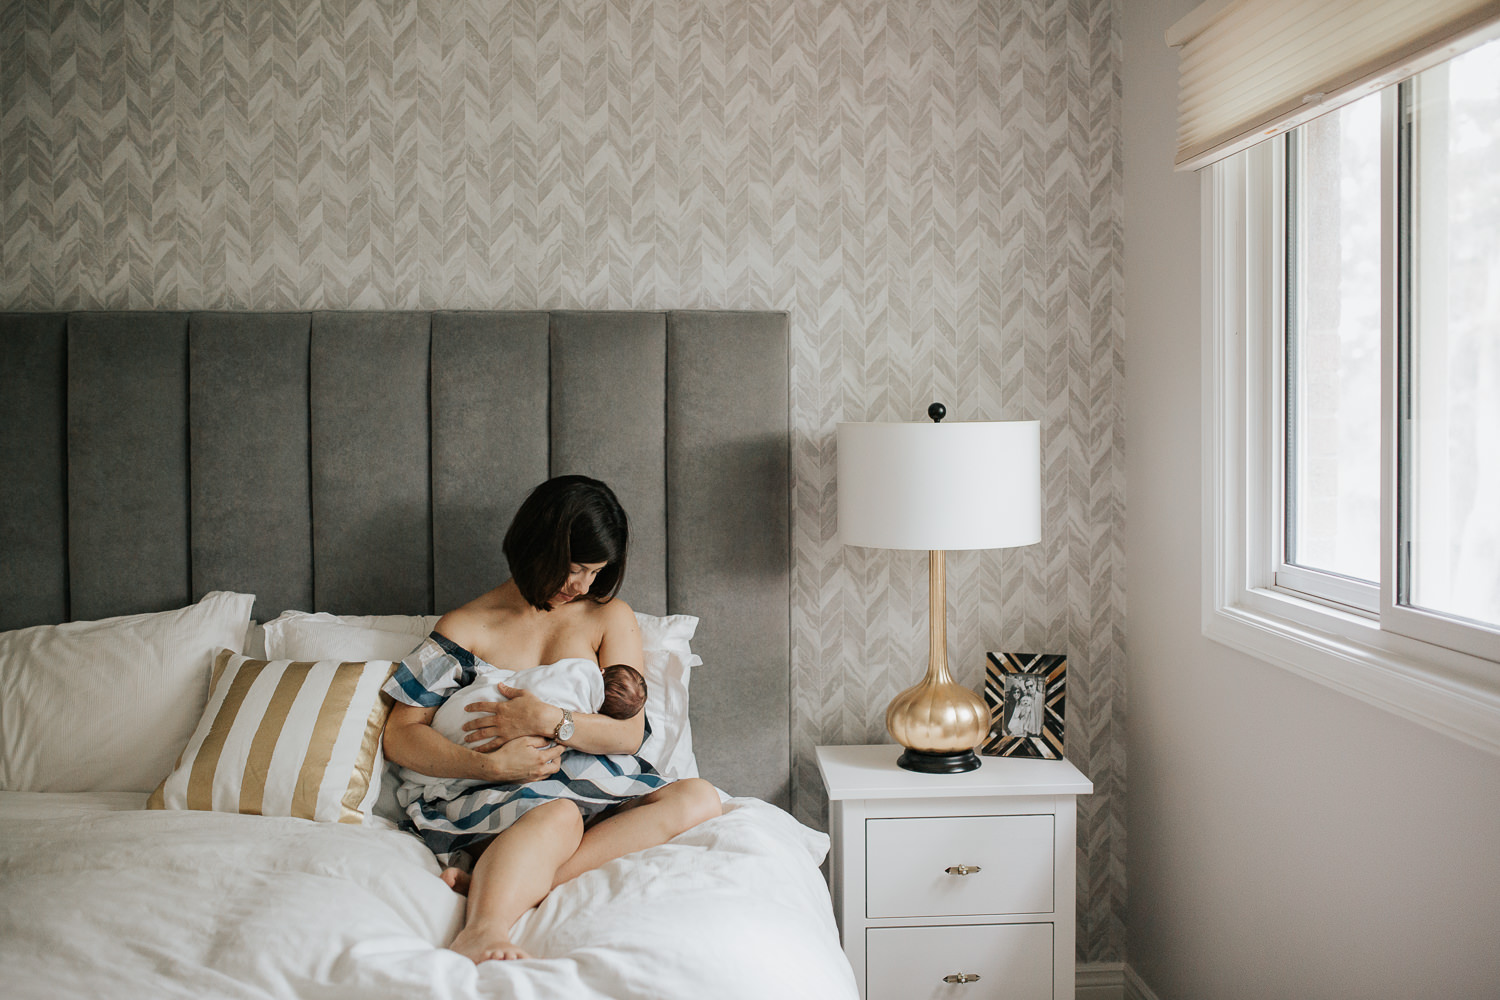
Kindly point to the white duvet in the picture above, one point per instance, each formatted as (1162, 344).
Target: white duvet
(99, 899)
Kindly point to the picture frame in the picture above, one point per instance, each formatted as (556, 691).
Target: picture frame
(1026, 694)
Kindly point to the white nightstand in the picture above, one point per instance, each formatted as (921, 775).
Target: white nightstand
(938, 878)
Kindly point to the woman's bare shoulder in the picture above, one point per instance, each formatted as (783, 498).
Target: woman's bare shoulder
(455, 625)
(616, 612)
(617, 606)
(468, 622)
(619, 635)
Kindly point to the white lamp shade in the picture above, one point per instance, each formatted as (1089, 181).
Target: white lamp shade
(940, 486)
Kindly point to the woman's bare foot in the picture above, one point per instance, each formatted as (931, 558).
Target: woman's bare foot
(477, 944)
(456, 879)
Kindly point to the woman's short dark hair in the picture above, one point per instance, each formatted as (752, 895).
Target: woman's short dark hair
(567, 520)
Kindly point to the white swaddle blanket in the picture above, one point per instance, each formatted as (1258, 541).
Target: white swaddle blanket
(576, 684)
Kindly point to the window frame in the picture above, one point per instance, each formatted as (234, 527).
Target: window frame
(1244, 606)
(1357, 596)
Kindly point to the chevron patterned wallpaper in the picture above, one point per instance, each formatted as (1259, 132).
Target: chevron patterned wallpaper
(931, 189)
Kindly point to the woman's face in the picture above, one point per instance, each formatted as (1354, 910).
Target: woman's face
(580, 579)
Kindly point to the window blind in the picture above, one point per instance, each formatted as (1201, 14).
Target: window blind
(1250, 69)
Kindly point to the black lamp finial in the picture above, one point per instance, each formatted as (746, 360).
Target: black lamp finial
(937, 411)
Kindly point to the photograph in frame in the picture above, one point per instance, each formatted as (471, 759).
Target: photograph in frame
(1026, 694)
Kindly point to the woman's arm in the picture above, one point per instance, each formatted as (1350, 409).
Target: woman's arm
(525, 713)
(411, 742)
(529, 714)
(620, 643)
(601, 734)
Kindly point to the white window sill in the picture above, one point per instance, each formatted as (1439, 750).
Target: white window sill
(1446, 691)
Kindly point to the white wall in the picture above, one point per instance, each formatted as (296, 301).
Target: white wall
(1284, 840)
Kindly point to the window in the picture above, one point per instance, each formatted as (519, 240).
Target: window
(1448, 347)
(1353, 372)
(1331, 413)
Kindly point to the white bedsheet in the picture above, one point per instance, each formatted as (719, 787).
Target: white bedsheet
(101, 899)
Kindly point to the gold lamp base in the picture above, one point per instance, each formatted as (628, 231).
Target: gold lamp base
(939, 722)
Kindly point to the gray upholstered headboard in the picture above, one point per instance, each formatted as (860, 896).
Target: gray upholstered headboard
(369, 463)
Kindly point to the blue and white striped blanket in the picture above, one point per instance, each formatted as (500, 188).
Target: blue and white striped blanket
(453, 816)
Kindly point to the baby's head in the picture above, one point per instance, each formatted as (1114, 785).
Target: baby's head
(624, 692)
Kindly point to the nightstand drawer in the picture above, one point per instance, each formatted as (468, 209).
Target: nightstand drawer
(1012, 961)
(1000, 864)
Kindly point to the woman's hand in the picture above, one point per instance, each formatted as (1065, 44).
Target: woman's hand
(411, 742)
(500, 722)
(529, 758)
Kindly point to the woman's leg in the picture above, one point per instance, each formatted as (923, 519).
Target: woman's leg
(515, 872)
(641, 823)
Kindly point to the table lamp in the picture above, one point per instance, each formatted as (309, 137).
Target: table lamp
(937, 486)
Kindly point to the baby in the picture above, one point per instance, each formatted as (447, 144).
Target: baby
(624, 692)
(577, 684)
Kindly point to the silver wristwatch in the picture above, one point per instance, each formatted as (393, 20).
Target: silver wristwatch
(564, 730)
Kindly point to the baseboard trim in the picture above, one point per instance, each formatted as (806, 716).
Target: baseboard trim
(1099, 981)
(1109, 981)
(1135, 987)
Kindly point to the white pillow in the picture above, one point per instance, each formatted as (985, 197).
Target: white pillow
(300, 635)
(669, 663)
(285, 738)
(105, 706)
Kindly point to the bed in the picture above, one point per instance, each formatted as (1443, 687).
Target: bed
(188, 500)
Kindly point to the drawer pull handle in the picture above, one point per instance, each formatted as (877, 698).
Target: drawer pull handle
(962, 870)
(962, 977)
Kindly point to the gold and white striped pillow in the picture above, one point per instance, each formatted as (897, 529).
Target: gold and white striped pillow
(284, 738)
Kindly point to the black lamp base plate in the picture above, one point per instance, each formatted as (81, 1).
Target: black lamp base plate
(939, 763)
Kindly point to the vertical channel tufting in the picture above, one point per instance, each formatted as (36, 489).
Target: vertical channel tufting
(248, 444)
(489, 442)
(608, 417)
(33, 469)
(729, 520)
(128, 533)
(371, 507)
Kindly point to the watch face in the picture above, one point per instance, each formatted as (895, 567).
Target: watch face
(564, 728)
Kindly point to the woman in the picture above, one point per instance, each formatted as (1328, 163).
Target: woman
(566, 549)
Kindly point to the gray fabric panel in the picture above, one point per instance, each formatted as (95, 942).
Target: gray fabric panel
(252, 522)
(608, 417)
(33, 470)
(372, 551)
(489, 442)
(127, 463)
(729, 541)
